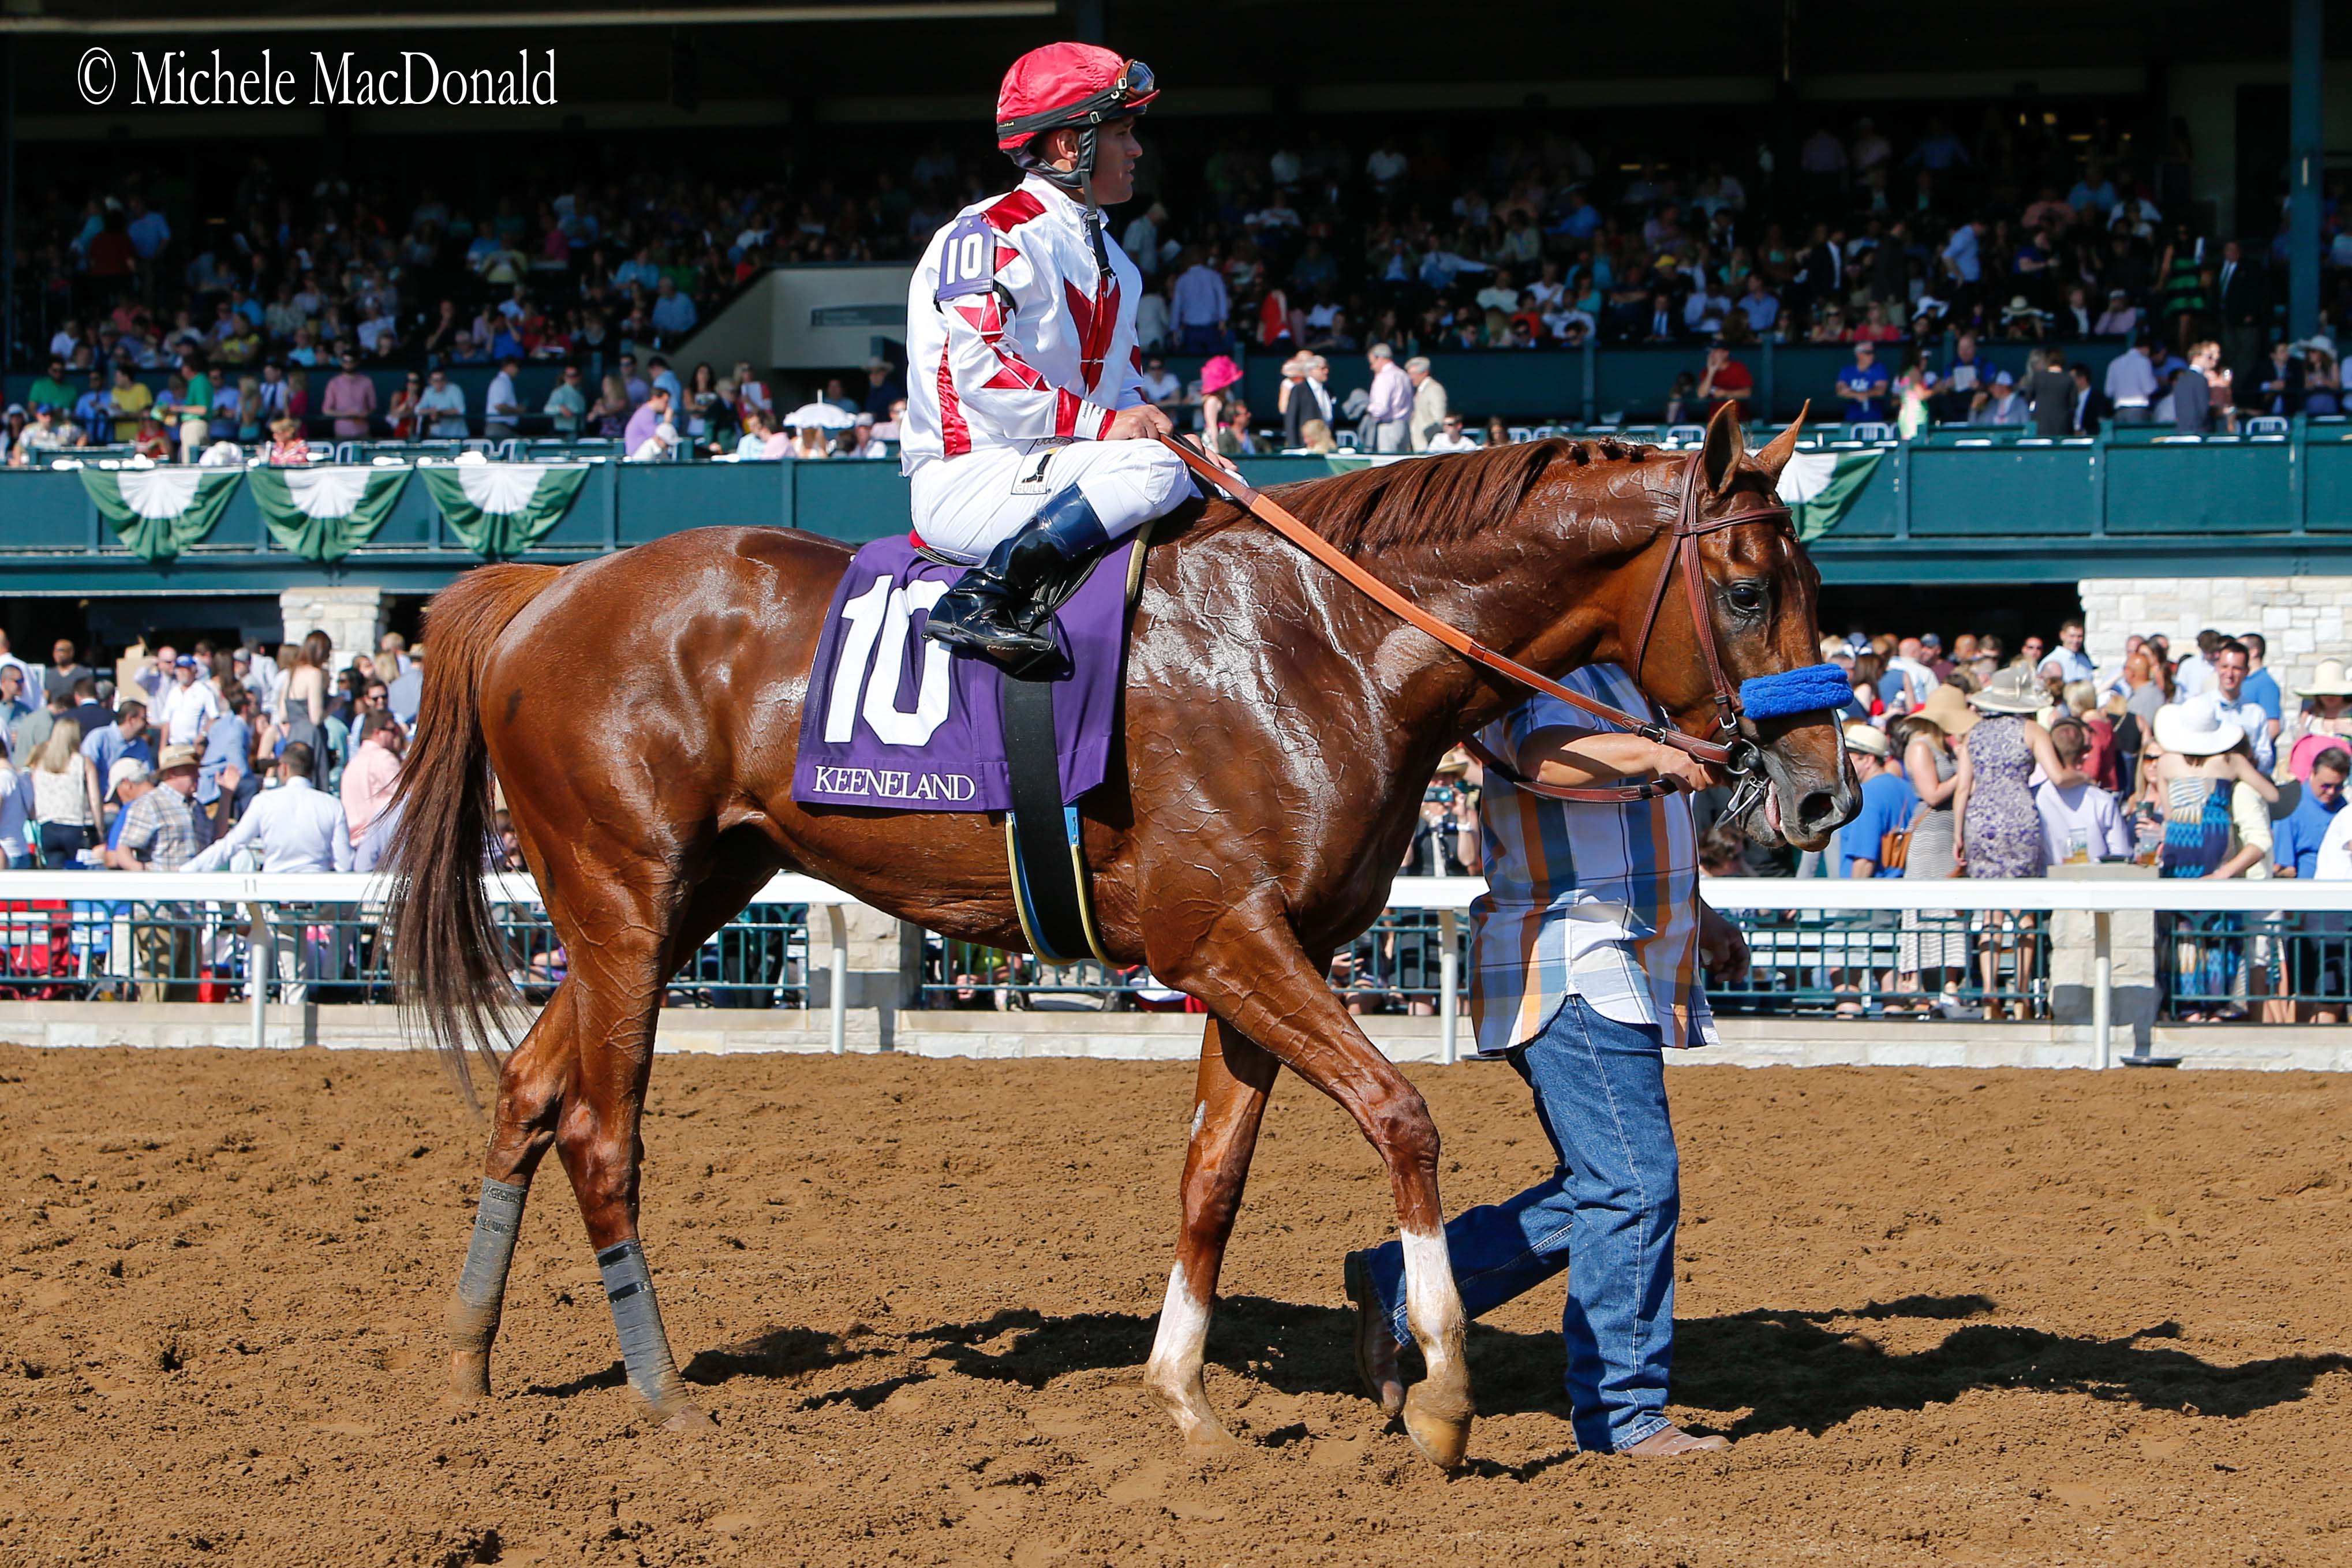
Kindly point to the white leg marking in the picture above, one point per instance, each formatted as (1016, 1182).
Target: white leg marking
(1200, 1115)
(1181, 1342)
(1433, 1307)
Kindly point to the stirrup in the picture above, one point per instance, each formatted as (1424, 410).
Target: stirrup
(986, 623)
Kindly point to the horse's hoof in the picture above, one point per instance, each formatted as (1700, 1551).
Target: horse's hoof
(690, 1422)
(1210, 1440)
(1442, 1440)
(469, 1374)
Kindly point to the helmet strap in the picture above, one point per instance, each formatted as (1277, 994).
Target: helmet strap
(1079, 181)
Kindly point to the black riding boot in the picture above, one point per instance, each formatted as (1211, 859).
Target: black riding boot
(995, 609)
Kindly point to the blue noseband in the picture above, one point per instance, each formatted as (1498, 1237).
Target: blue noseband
(1808, 690)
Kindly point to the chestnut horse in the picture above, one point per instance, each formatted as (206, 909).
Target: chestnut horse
(1279, 728)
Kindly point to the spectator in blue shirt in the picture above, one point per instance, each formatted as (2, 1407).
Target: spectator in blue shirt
(1863, 385)
(2067, 661)
(108, 744)
(1887, 802)
(1940, 150)
(673, 313)
(2294, 841)
(2262, 686)
(665, 379)
(1582, 219)
(148, 233)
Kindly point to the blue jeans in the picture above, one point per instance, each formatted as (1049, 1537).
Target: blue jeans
(1613, 1199)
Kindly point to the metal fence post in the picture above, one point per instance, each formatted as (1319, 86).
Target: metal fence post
(258, 959)
(2103, 985)
(837, 919)
(1449, 984)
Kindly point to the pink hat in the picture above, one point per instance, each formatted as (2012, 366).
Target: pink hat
(1219, 373)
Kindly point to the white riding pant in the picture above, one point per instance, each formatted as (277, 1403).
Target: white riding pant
(964, 506)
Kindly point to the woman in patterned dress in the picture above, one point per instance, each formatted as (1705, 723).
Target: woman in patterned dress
(1998, 830)
(2216, 824)
(1934, 948)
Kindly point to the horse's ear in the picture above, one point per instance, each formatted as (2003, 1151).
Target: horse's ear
(1773, 456)
(1724, 447)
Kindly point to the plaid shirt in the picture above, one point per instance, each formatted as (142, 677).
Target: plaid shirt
(160, 823)
(1597, 901)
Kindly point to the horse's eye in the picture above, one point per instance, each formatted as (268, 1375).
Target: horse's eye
(1748, 597)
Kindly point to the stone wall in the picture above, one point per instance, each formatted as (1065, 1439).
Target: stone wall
(2302, 617)
(352, 618)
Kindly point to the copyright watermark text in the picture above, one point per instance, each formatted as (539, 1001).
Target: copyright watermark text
(182, 78)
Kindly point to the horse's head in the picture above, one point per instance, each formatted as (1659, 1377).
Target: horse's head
(1759, 593)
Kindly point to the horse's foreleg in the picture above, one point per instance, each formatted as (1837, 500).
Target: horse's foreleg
(597, 1137)
(531, 1091)
(1229, 1100)
(1250, 967)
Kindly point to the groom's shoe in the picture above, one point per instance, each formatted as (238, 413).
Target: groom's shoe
(1375, 1345)
(1673, 1442)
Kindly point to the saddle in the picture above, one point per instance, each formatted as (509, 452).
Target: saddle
(895, 721)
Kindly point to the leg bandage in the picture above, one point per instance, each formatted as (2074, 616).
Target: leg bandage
(636, 1317)
(482, 1285)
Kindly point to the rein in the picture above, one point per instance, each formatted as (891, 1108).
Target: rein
(1731, 752)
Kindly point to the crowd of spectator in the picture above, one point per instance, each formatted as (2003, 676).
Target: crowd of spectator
(219, 727)
(2018, 230)
(1977, 760)
(1981, 762)
(207, 758)
(273, 415)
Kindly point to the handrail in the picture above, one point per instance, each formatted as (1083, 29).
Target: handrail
(1448, 896)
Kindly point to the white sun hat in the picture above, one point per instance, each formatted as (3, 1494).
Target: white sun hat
(2327, 680)
(2197, 727)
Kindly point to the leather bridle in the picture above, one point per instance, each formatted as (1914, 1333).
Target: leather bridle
(1728, 750)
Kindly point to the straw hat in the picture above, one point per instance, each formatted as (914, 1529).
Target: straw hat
(1868, 738)
(2196, 727)
(1947, 710)
(2328, 681)
(2011, 691)
(176, 757)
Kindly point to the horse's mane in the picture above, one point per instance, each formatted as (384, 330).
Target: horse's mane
(1433, 501)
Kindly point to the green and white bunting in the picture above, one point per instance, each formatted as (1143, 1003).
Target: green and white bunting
(504, 509)
(1820, 486)
(160, 511)
(327, 512)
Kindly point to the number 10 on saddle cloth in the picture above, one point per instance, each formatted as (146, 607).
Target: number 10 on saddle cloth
(893, 720)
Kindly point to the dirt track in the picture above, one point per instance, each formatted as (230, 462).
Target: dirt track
(1948, 1317)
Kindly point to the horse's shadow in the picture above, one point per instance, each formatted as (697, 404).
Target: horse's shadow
(1786, 1369)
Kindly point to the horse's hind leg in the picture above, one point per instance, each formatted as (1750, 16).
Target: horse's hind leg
(1228, 1103)
(597, 1136)
(531, 1091)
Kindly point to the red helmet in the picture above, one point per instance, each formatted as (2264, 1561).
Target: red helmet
(1068, 85)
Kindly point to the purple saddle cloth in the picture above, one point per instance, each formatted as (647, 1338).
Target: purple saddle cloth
(895, 720)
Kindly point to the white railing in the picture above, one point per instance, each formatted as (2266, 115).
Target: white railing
(1448, 895)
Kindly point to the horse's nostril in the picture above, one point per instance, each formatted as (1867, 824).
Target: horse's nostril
(1818, 806)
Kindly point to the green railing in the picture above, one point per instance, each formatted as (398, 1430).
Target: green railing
(1955, 506)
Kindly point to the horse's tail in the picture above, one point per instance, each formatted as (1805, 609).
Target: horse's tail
(449, 959)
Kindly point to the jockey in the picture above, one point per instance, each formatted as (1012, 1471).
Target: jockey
(1027, 436)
